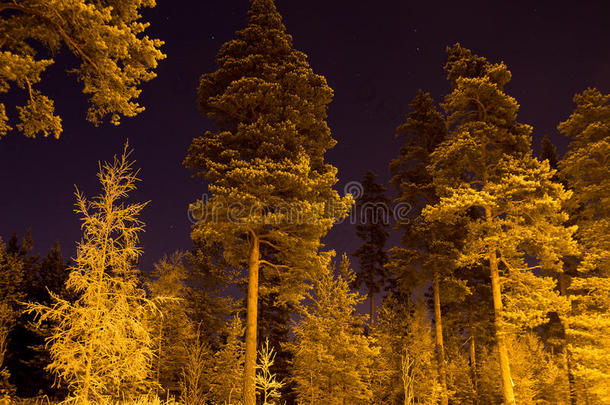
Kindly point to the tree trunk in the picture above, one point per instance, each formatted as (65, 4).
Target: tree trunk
(249, 393)
(440, 347)
(507, 381)
(372, 303)
(563, 290)
(473, 360)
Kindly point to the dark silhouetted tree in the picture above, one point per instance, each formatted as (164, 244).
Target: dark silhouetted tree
(373, 214)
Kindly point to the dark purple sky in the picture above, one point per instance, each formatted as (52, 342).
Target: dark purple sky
(375, 55)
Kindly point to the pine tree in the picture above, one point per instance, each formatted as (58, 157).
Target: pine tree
(373, 208)
(486, 165)
(426, 246)
(101, 346)
(586, 170)
(105, 37)
(265, 164)
(332, 358)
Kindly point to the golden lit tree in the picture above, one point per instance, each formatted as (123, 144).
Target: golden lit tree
(585, 168)
(101, 345)
(271, 192)
(486, 165)
(333, 360)
(107, 38)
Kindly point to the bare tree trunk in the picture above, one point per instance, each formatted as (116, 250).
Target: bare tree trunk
(507, 382)
(372, 309)
(249, 393)
(440, 347)
(473, 360)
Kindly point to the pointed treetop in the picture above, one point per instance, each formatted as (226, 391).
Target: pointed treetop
(548, 151)
(264, 13)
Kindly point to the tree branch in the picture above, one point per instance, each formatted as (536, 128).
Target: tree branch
(69, 41)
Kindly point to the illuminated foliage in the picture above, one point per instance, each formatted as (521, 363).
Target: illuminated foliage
(403, 336)
(486, 165)
(226, 377)
(332, 359)
(101, 345)
(586, 170)
(105, 36)
(173, 330)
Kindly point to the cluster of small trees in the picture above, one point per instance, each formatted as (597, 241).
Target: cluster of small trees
(498, 293)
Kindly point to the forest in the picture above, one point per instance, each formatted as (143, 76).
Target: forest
(497, 292)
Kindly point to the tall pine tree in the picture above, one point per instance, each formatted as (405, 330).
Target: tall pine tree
(265, 164)
(486, 164)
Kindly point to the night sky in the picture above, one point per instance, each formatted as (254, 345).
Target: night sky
(375, 55)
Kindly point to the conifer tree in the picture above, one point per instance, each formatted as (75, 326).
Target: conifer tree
(404, 335)
(587, 172)
(266, 381)
(173, 330)
(226, 377)
(50, 274)
(373, 209)
(332, 358)
(265, 165)
(11, 276)
(485, 164)
(101, 346)
(105, 37)
(426, 245)
(207, 277)
(276, 330)
(548, 151)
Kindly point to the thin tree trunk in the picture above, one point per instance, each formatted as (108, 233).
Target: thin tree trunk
(372, 309)
(473, 360)
(563, 290)
(440, 347)
(249, 393)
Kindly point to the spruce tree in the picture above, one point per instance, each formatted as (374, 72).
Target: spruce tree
(207, 278)
(485, 164)
(173, 330)
(332, 358)
(265, 165)
(426, 246)
(101, 346)
(586, 170)
(373, 210)
(226, 375)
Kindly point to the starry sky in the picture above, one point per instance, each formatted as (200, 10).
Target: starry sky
(375, 55)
